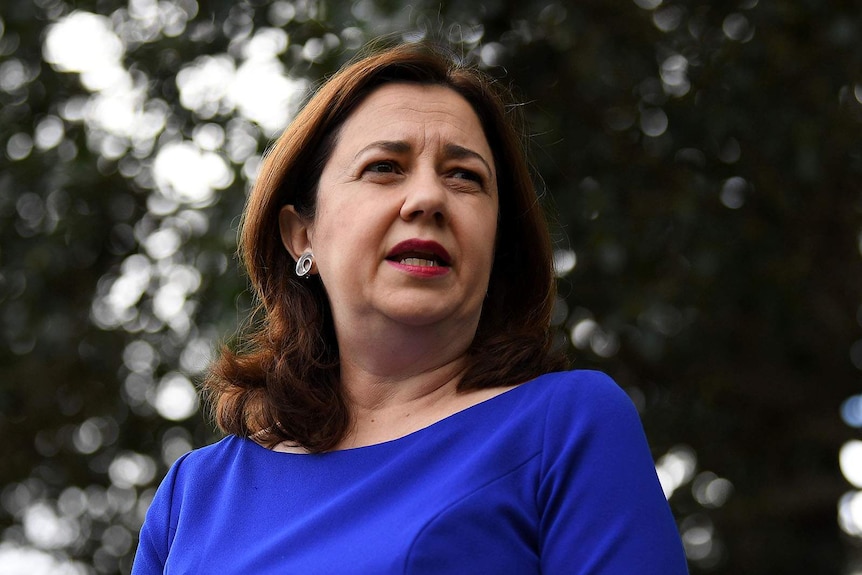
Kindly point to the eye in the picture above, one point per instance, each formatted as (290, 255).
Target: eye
(382, 167)
(463, 174)
(466, 180)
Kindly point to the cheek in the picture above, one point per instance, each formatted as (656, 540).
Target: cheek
(484, 238)
(342, 238)
(342, 225)
(491, 224)
(329, 224)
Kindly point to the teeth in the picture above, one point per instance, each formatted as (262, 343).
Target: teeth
(418, 262)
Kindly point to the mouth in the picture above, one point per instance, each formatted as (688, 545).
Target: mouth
(421, 260)
(420, 253)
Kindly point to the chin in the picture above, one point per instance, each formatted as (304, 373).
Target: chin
(418, 317)
(423, 315)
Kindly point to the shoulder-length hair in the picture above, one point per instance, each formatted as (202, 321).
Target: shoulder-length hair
(282, 383)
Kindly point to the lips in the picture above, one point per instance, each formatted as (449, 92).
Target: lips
(421, 253)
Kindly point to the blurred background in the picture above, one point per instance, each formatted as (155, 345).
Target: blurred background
(701, 162)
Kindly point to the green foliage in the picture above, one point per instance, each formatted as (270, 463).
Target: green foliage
(701, 163)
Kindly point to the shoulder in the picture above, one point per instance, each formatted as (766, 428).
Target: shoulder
(567, 398)
(582, 392)
(599, 494)
(209, 461)
(566, 410)
(592, 434)
(222, 448)
(587, 412)
(187, 491)
(196, 474)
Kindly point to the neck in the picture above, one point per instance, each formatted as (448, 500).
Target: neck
(401, 365)
(399, 380)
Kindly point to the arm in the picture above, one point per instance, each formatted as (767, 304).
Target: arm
(603, 511)
(157, 531)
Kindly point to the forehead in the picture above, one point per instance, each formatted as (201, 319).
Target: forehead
(404, 111)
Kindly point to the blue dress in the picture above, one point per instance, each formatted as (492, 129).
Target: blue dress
(553, 476)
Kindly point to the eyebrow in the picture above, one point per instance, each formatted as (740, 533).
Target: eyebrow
(453, 151)
(460, 152)
(397, 146)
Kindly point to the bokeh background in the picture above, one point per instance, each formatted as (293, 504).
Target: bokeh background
(701, 162)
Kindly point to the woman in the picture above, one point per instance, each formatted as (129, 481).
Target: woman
(398, 409)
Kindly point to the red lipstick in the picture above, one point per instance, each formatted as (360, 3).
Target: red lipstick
(421, 258)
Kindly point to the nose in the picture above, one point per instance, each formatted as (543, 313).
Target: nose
(425, 197)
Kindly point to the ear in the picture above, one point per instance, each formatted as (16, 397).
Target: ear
(295, 231)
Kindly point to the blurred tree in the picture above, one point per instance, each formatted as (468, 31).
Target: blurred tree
(702, 162)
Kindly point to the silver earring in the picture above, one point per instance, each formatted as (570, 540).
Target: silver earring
(303, 264)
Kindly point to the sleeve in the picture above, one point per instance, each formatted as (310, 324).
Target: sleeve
(158, 529)
(603, 510)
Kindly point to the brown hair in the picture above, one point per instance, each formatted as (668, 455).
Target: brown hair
(283, 382)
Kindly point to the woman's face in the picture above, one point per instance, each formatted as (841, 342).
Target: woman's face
(406, 212)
